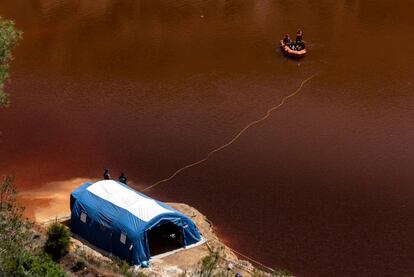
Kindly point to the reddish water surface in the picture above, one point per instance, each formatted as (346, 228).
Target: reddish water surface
(324, 187)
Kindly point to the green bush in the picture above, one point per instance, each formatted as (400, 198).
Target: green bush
(209, 266)
(79, 265)
(281, 273)
(27, 264)
(19, 255)
(9, 37)
(58, 241)
(15, 233)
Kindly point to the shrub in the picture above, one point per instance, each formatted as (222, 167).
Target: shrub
(209, 266)
(15, 233)
(58, 241)
(18, 253)
(9, 37)
(281, 273)
(123, 267)
(27, 264)
(79, 265)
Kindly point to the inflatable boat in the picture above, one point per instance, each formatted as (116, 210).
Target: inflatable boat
(290, 52)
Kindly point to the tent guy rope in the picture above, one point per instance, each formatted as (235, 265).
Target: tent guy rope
(236, 137)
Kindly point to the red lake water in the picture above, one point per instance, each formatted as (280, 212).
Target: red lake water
(322, 187)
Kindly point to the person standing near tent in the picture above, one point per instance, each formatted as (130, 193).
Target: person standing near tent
(106, 175)
(122, 178)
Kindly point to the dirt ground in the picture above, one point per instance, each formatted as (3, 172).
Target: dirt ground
(188, 260)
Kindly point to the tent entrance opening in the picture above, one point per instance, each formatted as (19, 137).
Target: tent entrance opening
(165, 238)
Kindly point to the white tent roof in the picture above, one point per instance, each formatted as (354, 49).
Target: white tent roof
(119, 195)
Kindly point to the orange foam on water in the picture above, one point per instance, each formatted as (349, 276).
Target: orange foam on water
(50, 200)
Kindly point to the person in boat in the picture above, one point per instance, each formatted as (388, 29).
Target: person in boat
(287, 40)
(106, 174)
(299, 36)
(122, 178)
(300, 45)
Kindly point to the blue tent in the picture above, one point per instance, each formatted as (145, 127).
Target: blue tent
(128, 224)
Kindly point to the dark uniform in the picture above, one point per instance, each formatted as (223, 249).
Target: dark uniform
(123, 179)
(299, 36)
(106, 175)
(287, 40)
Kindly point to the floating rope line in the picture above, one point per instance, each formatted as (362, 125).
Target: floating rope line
(236, 137)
